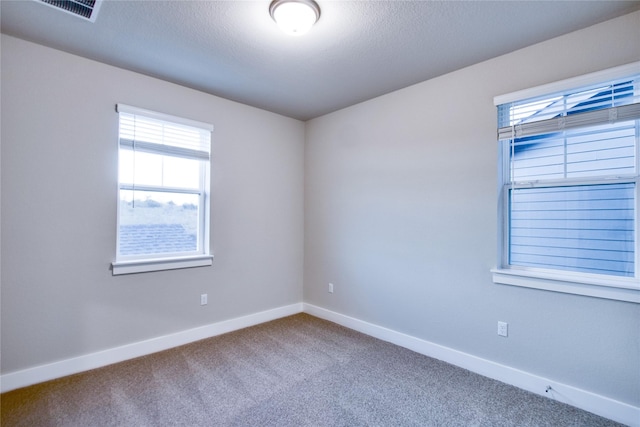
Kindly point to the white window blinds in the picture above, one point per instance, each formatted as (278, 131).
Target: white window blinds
(615, 101)
(570, 177)
(157, 133)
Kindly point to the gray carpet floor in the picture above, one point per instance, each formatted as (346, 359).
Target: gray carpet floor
(296, 371)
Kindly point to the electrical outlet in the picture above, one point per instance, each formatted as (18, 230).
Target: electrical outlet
(503, 329)
(330, 288)
(203, 299)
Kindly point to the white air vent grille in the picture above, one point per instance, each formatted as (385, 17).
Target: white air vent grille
(87, 9)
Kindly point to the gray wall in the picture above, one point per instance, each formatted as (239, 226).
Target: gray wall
(398, 196)
(401, 216)
(59, 182)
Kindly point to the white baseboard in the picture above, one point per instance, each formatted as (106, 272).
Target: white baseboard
(38, 374)
(597, 404)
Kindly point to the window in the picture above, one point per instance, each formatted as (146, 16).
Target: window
(569, 186)
(163, 192)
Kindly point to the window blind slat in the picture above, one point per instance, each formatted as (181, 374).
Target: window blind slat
(160, 136)
(169, 150)
(575, 121)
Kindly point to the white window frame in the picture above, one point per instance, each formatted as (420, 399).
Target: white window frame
(593, 285)
(168, 261)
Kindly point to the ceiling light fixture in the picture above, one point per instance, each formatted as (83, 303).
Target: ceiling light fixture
(295, 17)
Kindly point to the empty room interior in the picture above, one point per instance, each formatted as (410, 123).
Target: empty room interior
(410, 175)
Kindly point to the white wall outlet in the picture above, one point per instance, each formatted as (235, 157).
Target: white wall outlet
(330, 288)
(503, 329)
(203, 299)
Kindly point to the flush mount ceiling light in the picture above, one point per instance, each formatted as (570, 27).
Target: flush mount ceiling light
(295, 17)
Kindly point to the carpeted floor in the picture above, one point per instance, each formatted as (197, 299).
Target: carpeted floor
(296, 371)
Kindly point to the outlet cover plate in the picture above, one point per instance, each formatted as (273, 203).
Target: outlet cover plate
(503, 329)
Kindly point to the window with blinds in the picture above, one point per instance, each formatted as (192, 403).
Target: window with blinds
(163, 177)
(570, 169)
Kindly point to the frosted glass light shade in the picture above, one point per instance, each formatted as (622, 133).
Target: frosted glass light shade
(295, 17)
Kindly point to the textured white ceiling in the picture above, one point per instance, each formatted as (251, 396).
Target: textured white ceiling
(358, 49)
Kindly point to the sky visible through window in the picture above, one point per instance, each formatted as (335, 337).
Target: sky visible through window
(148, 219)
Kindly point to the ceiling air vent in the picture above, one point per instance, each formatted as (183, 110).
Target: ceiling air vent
(86, 9)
